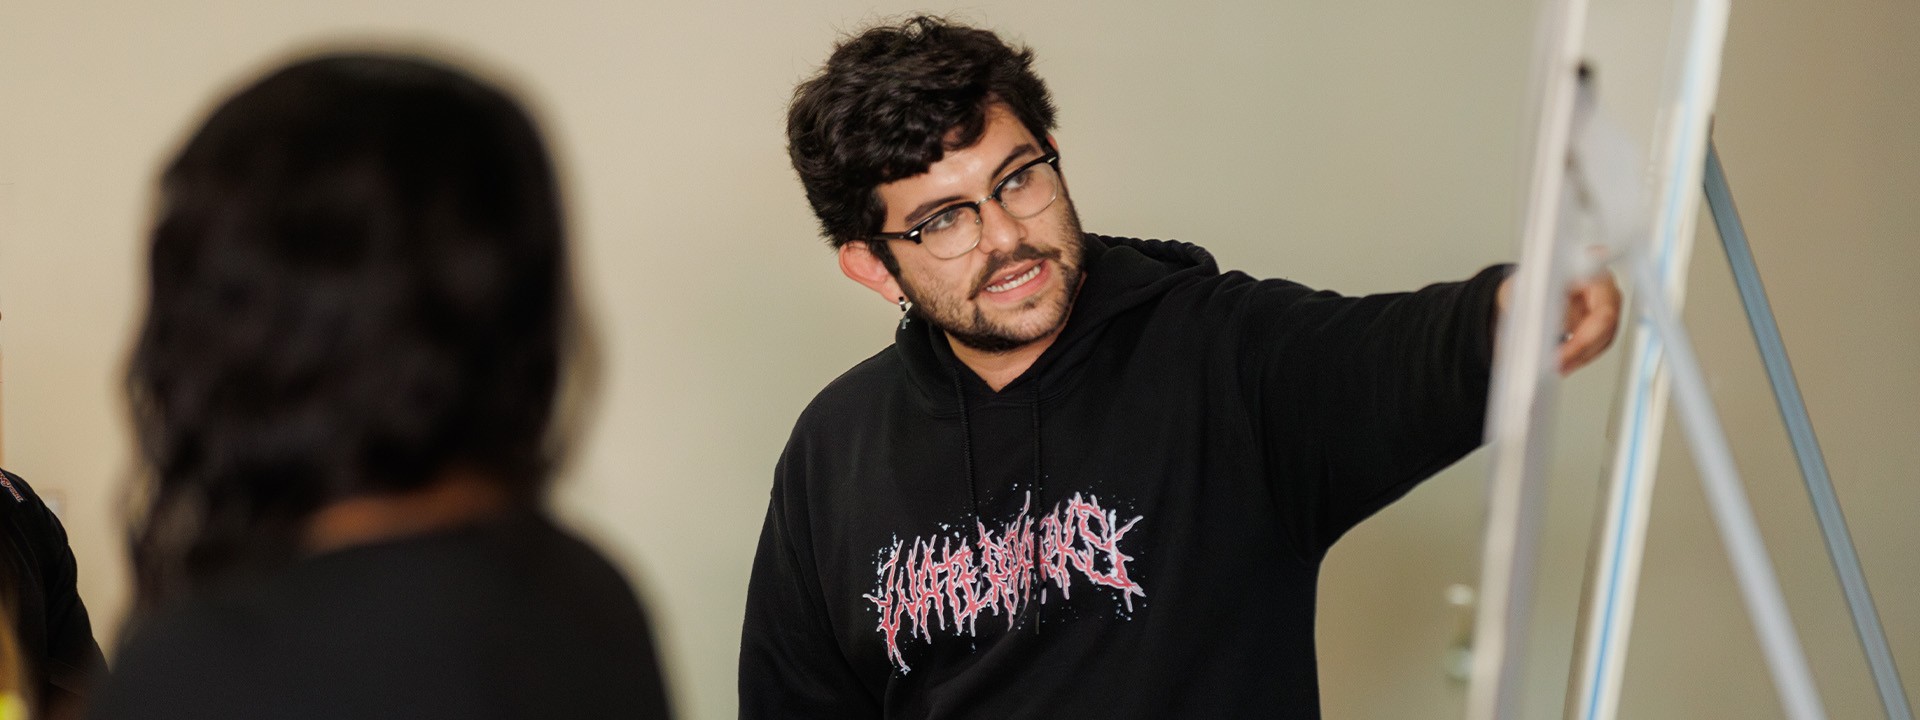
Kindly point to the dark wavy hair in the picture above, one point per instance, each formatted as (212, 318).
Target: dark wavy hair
(890, 102)
(358, 281)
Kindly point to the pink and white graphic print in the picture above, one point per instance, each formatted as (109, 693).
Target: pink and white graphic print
(947, 583)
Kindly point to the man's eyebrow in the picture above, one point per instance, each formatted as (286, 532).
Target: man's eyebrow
(926, 208)
(1017, 153)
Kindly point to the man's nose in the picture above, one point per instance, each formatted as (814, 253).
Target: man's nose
(999, 230)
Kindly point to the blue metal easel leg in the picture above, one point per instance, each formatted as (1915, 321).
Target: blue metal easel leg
(1813, 466)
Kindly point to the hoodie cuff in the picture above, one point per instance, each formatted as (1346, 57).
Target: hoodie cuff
(1483, 291)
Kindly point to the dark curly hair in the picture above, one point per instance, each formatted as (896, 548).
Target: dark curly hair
(358, 281)
(892, 101)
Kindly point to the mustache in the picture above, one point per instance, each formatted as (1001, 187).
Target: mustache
(1020, 254)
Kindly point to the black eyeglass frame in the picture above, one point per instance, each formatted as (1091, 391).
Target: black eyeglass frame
(913, 234)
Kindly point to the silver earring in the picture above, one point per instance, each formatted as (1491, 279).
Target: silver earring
(906, 306)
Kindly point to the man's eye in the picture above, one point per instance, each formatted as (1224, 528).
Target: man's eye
(944, 221)
(1016, 180)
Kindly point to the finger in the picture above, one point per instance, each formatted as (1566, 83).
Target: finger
(1592, 337)
(1593, 330)
(1581, 351)
(1592, 314)
(1594, 306)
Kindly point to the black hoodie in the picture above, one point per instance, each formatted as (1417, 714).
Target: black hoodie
(1132, 528)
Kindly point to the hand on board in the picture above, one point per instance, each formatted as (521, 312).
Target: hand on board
(1593, 317)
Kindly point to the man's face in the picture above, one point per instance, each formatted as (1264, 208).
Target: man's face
(1018, 285)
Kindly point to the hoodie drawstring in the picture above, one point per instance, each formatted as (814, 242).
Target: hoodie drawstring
(1039, 481)
(1039, 504)
(966, 445)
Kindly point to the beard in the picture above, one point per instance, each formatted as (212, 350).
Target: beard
(971, 327)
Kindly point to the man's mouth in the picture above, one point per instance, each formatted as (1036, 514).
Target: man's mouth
(1015, 279)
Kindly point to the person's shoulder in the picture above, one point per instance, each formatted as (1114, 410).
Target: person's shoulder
(15, 492)
(20, 506)
(879, 370)
(182, 628)
(249, 653)
(170, 658)
(1227, 301)
(434, 623)
(856, 390)
(561, 552)
(491, 573)
(603, 636)
(476, 572)
(1189, 275)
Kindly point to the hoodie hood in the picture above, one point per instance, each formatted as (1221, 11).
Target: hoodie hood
(1121, 274)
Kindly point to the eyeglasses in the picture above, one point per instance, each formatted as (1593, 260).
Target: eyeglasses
(955, 231)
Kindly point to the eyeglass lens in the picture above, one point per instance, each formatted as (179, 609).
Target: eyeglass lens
(1024, 194)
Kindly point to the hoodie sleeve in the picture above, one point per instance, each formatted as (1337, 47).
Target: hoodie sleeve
(1361, 398)
(790, 665)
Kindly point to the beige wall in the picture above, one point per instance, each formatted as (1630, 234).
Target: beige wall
(1363, 146)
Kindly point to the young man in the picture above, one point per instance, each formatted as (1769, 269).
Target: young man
(1093, 476)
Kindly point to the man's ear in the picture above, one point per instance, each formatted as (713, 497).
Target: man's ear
(859, 263)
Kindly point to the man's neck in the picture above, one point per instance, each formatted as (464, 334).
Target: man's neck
(999, 369)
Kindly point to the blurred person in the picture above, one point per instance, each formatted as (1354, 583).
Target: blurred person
(1093, 476)
(344, 390)
(54, 659)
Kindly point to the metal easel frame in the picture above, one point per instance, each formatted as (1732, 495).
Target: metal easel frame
(1607, 610)
(1523, 397)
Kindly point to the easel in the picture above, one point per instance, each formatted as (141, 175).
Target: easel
(1578, 184)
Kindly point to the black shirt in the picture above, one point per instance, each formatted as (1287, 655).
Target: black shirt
(512, 618)
(37, 586)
